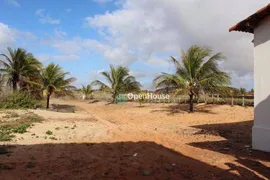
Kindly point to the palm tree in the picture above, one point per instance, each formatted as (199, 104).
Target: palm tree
(242, 91)
(119, 81)
(54, 81)
(18, 67)
(87, 90)
(199, 72)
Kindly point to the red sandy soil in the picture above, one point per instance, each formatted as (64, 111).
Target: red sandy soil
(127, 141)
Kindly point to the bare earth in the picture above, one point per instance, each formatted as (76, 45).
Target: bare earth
(126, 141)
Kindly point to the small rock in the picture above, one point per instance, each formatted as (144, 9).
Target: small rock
(135, 154)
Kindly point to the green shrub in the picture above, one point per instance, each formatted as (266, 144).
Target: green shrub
(49, 132)
(6, 136)
(19, 100)
(21, 129)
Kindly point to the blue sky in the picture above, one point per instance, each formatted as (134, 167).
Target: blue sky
(85, 36)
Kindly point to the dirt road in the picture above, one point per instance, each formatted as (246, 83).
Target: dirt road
(127, 141)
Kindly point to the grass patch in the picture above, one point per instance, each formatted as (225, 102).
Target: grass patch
(53, 138)
(49, 132)
(21, 129)
(6, 136)
(20, 125)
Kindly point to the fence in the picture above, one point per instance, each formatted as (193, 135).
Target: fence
(183, 99)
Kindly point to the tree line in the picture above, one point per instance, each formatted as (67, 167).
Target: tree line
(197, 72)
(21, 71)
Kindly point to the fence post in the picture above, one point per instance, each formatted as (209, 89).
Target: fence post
(243, 98)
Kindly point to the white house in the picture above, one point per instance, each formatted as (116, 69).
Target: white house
(259, 25)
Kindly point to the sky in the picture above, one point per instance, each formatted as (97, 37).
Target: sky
(85, 37)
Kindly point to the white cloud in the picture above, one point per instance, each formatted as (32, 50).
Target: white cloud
(13, 3)
(140, 74)
(47, 57)
(154, 60)
(40, 12)
(45, 18)
(7, 36)
(139, 29)
(59, 33)
(10, 37)
(95, 74)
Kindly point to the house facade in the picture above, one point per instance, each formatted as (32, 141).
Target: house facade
(259, 25)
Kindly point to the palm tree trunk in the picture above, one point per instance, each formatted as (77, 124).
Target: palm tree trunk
(191, 102)
(48, 101)
(14, 86)
(114, 98)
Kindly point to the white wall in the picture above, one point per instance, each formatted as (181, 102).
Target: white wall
(261, 128)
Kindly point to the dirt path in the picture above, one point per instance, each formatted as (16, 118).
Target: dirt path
(125, 139)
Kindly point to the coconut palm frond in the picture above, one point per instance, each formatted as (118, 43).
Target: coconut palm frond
(119, 80)
(198, 72)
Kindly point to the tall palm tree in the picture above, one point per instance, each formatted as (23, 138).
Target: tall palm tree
(18, 67)
(119, 81)
(54, 81)
(87, 90)
(198, 72)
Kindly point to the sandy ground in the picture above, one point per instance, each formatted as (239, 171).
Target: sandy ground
(127, 141)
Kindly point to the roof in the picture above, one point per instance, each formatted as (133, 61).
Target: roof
(252, 21)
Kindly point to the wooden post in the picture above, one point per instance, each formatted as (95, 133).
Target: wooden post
(243, 98)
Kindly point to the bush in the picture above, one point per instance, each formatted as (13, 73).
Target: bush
(49, 132)
(21, 129)
(19, 100)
